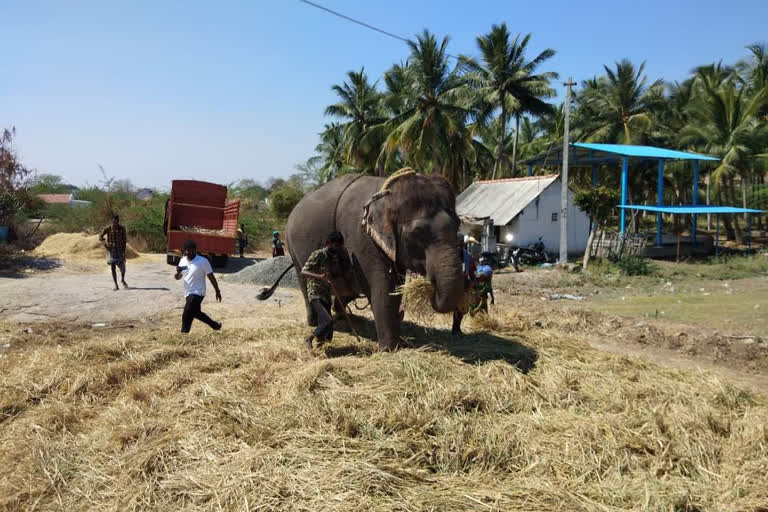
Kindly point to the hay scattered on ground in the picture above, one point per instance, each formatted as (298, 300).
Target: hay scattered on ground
(198, 229)
(146, 419)
(77, 246)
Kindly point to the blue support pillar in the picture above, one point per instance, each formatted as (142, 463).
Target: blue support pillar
(530, 169)
(695, 197)
(659, 201)
(624, 176)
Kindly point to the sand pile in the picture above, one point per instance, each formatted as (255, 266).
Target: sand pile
(77, 246)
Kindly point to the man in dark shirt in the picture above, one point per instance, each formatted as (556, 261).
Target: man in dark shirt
(277, 245)
(116, 241)
(323, 265)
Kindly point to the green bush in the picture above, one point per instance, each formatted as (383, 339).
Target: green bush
(284, 198)
(634, 266)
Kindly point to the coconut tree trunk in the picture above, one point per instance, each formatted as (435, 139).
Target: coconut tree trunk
(514, 144)
(500, 146)
(590, 241)
(727, 225)
(744, 197)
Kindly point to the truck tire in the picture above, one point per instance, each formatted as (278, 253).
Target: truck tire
(219, 260)
(172, 260)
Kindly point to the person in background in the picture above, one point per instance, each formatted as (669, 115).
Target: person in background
(277, 245)
(468, 271)
(116, 242)
(323, 265)
(194, 268)
(242, 239)
(483, 288)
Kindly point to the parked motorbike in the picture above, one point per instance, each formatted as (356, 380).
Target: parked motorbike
(533, 254)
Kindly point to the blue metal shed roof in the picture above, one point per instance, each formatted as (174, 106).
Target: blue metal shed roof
(587, 153)
(689, 209)
(643, 151)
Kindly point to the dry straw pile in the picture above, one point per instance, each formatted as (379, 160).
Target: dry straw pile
(416, 299)
(246, 420)
(77, 246)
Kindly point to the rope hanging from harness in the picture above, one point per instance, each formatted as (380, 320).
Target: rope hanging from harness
(389, 249)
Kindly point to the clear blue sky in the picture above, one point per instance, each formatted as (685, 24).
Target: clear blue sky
(162, 90)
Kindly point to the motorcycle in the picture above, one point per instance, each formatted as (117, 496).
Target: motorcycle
(533, 254)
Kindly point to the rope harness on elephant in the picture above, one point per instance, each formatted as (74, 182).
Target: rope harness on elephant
(370, 230)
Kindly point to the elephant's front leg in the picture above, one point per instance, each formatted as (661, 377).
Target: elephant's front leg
(386, 313)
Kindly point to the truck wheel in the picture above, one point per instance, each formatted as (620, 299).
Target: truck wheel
(172, 260)
(219, 260)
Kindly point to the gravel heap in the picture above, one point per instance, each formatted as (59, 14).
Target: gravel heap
(266, 273)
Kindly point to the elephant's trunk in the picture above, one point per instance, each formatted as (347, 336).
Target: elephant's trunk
(444, 272)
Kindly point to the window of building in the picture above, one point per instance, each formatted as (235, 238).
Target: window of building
(554, 216)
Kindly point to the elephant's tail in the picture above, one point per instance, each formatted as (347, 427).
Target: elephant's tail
(266, 293)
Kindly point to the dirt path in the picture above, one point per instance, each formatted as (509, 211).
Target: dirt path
(83, 294)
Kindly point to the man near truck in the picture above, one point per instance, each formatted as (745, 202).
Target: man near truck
(194, 268)
(116, 242)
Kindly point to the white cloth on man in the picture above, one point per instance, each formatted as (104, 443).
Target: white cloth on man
(195, 274)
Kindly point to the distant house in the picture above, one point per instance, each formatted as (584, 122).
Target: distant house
(145, 194)
(522, 210)
(63, 199)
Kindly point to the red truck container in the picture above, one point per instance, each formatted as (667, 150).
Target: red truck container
(199, 211)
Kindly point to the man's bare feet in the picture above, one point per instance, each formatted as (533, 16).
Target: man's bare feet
(116, 288)
(125, 285)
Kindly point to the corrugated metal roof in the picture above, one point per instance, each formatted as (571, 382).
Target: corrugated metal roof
(643, 151)
(501, 200)
(583, 153)
(689, 209)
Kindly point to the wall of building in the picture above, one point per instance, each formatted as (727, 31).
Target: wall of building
(536, 220)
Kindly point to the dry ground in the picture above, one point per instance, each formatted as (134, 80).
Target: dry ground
(522, 414)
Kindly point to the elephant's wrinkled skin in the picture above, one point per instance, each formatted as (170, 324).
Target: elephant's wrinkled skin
(417, 221)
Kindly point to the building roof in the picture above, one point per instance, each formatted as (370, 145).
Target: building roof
(55, 198)
(689, 209)
(582, 153)
(501, 200)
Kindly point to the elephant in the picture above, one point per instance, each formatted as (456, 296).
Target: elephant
(407, 222)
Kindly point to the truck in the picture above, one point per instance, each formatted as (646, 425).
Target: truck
(199, 211)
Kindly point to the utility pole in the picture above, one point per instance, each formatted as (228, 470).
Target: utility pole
(564, 177)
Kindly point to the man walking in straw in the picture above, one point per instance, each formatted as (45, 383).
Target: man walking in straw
(116, 243)
(323, 265)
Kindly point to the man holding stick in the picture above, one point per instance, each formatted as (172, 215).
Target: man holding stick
(321, 267)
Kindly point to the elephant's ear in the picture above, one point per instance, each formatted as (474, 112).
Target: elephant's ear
(377, 224)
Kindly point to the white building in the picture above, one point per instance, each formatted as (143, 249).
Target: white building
(522, 210)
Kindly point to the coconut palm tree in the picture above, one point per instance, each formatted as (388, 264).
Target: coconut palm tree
(506, 81)
(434, 108)
(724, 123)
(617, 106)
(360, 106)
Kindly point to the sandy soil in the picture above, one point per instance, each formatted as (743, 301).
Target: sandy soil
(82, 293)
